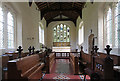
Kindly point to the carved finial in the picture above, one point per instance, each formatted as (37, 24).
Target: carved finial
(42, 46)
(96, 49)
(81, 48)
(92, 1)
(30, 49)
(33, 49)
(19, 51)
(91, 31)
(30, 3)
(108, 49)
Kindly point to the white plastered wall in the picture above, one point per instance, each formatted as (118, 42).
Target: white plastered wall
(92, 18)
(28, 19)
(89, 18)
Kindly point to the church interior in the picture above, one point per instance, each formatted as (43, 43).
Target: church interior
(60, 41)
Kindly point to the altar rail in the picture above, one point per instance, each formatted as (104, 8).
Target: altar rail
(64, 54)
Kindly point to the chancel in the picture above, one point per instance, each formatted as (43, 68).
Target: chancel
(60, 41)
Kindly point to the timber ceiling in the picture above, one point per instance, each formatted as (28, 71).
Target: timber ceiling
(60, 11)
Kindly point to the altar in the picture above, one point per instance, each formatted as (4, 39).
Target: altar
(61, 49)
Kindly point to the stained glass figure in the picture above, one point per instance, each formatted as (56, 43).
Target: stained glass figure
(61, 33)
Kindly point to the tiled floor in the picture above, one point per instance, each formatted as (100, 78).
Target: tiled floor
(62, 66)
(63, 71)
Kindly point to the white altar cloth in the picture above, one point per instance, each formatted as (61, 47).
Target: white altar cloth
(61, 49)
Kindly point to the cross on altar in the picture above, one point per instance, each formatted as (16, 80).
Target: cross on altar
(19, 51)
(108, 49)
(81, 47)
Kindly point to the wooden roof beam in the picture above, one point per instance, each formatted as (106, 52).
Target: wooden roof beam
(40, 4)
(69, 19)
(47, 4)
(56, 10)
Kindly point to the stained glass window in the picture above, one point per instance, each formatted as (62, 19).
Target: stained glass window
(61, 33)
(10, 27)
(1, 27)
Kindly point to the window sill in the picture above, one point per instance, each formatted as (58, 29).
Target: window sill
(2, 48)
(10, 48)
(115, 48)
(7, 48)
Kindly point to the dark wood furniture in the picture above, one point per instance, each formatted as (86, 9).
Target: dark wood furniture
(100, 65)
(104, 67)
(13, 55)
(74, 62)
(117, 72)
(5, 59)
(25, 68)
(49, 62)
(62, 55)
(116, 58)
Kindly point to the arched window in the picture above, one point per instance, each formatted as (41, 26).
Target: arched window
(10, 30)
(117, 22)
(61, 33)
(112, 25)
(108, 22)
(108, 26)
(7, 28)
(41, 35)
(81, 33)
(1, 28)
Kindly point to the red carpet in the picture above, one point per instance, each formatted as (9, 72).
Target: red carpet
(62, 71)
(63, 77)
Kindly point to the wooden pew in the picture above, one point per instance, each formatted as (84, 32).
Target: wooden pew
(49, 62)
(85, 59)
(104, 67)
(119, 60)
(114, 57)
(25, 68)
(13, 55)
(42, 56)
(5, 59)
(74, 62)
